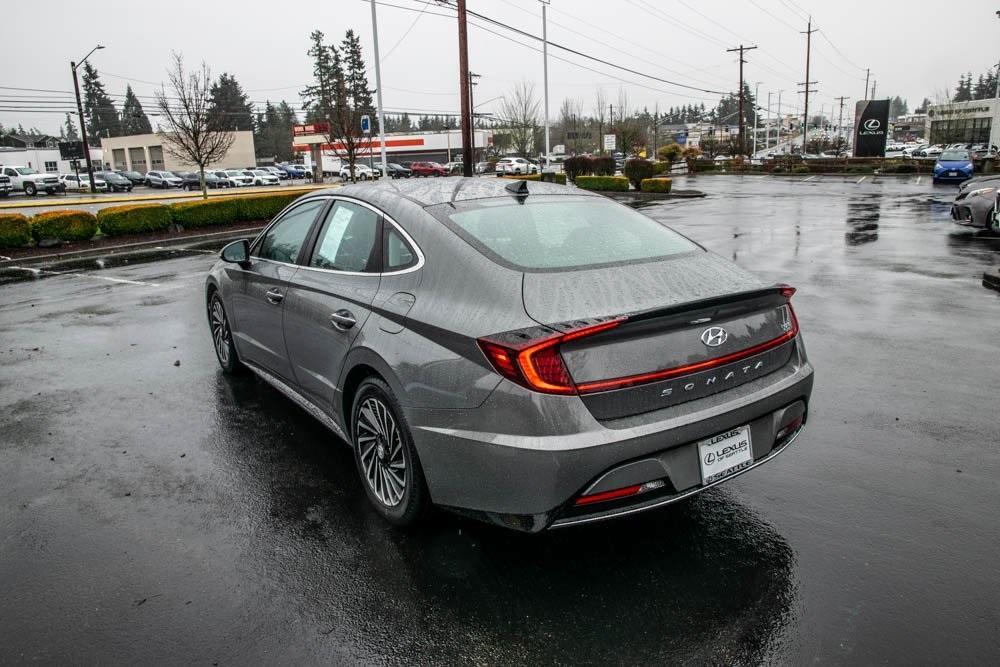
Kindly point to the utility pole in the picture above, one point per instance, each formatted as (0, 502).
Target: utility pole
(767, 125)
(83, 124)
(472, 107)
(805, 126)
(874, 84)
(756, 92)
(781, 121)
(743, 141)
(378, 96)
(545, 75)
(840, 123)
(868, 73)
(463, 68)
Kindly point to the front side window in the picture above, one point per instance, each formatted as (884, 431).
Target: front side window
(26, 171)
(348, 240)
(284, 239)
(560, 232)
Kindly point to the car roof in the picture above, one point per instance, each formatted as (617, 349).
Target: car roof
(429, 192)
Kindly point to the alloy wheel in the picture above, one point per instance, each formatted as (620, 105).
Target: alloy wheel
(381, 451)
(220, 331)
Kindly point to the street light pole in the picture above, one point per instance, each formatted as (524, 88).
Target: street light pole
(545, 79)
(378, 98)
(756, 105)
(83, 124)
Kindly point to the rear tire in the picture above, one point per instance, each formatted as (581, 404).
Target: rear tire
(385, 456)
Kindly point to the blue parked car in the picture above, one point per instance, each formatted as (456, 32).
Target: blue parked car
(953, 165)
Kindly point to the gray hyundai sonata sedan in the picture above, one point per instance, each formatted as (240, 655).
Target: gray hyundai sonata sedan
(525, 353)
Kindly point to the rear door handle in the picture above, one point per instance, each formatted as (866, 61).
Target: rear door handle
(343, 320)
(274, 296)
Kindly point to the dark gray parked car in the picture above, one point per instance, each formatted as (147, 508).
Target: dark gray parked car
(977, 203)
(525, 353)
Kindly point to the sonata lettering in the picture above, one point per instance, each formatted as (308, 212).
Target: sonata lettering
(709, 381)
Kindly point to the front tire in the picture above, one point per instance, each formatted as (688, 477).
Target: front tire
(222, 336)
(30, 189)
(385, 456)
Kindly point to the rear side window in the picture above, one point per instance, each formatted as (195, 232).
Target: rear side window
(284, 239)
(348, 240)
(560, 232)
(398, 253)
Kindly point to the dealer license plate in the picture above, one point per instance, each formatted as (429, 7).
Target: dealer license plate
(953, 173)
(725, 454)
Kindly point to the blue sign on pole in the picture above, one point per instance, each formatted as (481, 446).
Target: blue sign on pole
(366, 124)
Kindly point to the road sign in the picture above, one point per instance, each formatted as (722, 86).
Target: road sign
(71, 150)
(366, 124)
(609, 142)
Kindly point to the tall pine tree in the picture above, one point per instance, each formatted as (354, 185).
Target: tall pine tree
(102, 117)
(69, 132)
(229, 106)
(134, 119)
(317, 98)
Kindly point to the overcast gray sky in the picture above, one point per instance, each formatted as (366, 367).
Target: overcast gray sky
(915, 48)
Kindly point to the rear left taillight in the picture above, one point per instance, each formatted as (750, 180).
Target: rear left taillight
(535, 362)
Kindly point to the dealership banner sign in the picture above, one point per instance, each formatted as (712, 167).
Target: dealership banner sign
(871, 127)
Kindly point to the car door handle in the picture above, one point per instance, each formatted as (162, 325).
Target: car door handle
(274, 296)
(343, 320)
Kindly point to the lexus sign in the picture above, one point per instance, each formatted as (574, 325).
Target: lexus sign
(871, 120)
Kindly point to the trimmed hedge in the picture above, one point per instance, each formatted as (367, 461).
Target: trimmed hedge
(263, 207)
(606, 183)
(15, 230)
(800, 169)
(204, 212)
(133, 219)
(637, 170)
(560, 178)
(603, 165)
(662, 168)
(64, 225)
(578, 165)
(656, 184)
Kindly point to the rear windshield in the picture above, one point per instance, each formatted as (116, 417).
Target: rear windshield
(560, 232)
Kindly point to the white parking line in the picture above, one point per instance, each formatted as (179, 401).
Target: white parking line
(860, 179)
(808, 178)
(918, 179)
(112, 279)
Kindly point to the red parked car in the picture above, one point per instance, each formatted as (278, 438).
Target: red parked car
(428, 169)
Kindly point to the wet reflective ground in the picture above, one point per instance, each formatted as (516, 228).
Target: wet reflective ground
(150, 511)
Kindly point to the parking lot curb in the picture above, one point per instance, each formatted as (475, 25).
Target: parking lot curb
(138, 247)
(991, 278)
(221, 192)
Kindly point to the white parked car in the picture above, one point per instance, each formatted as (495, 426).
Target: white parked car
(262, 177)
(362, 172)
(281, 175)
(82, 183)
(516, 166)
(233, 178)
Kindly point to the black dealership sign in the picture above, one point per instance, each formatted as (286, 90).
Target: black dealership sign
(71, 150)
(871, 126)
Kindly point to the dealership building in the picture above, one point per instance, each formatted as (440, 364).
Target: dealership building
(441, 147)
(146, 152)
(973, 122)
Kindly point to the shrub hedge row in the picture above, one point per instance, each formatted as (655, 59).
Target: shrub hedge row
(605, 183)
(64, 225)
(17, 230)
(560, 178)
(637, 170)
(656, 184)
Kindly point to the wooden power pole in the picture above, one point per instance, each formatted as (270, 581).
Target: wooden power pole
(743, 141)
(463, 67)
(805, 114)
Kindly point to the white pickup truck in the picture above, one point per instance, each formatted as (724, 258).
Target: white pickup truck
(5, 186)
(30, 182)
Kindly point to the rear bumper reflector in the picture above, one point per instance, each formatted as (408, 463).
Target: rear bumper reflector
(623, 492)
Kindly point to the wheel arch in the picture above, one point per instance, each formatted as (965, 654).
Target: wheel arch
(361, 363)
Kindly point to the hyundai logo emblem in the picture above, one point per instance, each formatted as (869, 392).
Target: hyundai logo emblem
(714, 336)
(873, 124)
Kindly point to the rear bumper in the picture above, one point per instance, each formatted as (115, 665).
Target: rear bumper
(521, 459)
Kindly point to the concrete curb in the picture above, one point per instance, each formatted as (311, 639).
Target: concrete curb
(138, 247)
(991, 278)
(181, 194)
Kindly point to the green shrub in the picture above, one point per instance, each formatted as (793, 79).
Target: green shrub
(661, 168)
(578, 165)
(637, 170)
(779, 170)
(560, 178)
(205, 212)
(670, 152)
(859, 169)
(605, 183)
(133, 219)
(603, 165)
(901, 168)
(800, 169)
(656, 184)
(263, 207)
(64, 225)
(15, 230)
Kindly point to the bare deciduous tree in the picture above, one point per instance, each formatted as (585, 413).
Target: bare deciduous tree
(192, 134)
(600, 115)
(519, 114)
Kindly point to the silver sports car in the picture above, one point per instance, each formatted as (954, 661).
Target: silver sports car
(526, 353)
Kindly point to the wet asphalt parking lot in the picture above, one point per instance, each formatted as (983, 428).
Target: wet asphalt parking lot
(157, 512)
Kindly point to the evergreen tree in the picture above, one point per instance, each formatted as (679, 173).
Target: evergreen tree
(102, 117)
(229, 106)
(317, 98)
(355, 76)
(923, 106)
(963, 93)
(898, 107)
(69, 132)
(134, 119)
(404, 123)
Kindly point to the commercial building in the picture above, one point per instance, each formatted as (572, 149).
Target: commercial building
(146, 152)
(429, 146)
(973, 122)
(45, 159)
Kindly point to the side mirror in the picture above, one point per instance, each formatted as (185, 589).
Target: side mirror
(237, 252)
